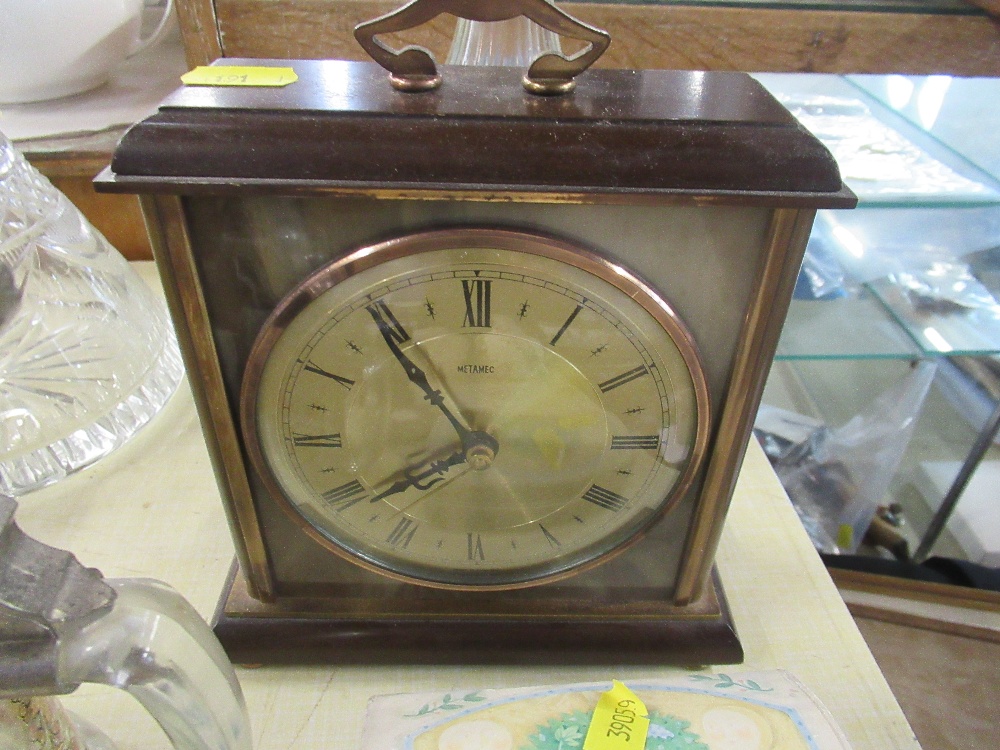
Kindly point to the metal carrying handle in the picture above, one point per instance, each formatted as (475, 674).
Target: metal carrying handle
(413, 68)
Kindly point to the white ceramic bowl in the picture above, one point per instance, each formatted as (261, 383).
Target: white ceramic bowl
(55, 48)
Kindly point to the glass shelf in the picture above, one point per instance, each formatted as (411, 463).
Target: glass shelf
(905, 267)
(883, 321)
(945, 308)
(943, 107)
(821, 329)
(938, 325)
(910, 276)
(886, 159)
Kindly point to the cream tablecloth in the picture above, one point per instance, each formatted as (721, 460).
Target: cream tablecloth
(152, 510)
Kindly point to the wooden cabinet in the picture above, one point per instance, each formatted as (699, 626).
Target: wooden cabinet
(877, 36)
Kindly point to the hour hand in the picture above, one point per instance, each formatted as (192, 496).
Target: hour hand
(422, 480)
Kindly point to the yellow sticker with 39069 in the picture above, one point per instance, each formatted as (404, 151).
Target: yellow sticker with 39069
(620, 721)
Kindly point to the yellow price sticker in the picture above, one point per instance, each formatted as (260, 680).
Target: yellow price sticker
(238, 75)
(845, 536)
(620, 721)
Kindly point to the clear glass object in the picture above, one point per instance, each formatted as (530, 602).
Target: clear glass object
(517, 42)
(62, 625)
(87, 352)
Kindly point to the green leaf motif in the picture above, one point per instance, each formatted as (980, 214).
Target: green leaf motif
(724, 682)
(670, 733)
(569, 736)
(447, 703)
(569, 731)
(564, 733)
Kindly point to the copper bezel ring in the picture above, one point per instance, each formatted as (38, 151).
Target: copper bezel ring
(370, 256)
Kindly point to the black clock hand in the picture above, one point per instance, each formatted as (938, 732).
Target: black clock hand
(394, 333)
(412, 478)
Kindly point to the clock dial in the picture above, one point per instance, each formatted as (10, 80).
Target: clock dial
(475, 408)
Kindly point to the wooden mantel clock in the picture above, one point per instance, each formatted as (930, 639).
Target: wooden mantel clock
(477, 366)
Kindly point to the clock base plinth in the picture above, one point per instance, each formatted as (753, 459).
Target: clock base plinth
(375, 630)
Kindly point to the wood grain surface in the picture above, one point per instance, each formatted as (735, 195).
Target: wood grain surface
(965, 41)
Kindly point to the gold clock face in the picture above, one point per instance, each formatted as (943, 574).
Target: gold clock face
(475, 408)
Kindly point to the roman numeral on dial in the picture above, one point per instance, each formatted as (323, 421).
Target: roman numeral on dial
(388, 326)
(604, 498)
(346, 495)
(317, 441)
(402, 533)
(553, 542)
(569, 320)
(476, 552)
(625, 377)
(477, 303)
(634, 442)
(311, 367)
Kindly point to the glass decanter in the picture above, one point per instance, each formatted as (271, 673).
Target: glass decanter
(62, 625)
(517, 42)
(87, 352)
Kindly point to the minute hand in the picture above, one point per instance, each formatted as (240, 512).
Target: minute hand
(393, 333)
